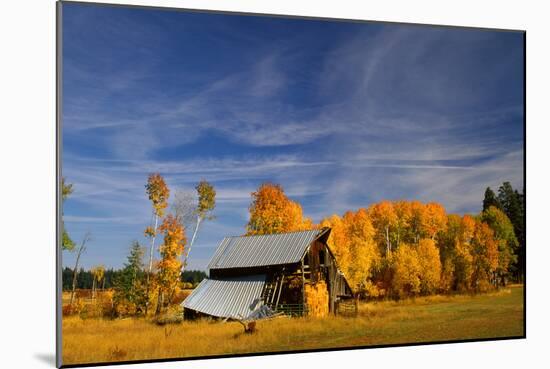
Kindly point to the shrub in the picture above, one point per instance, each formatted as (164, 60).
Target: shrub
(72, 309)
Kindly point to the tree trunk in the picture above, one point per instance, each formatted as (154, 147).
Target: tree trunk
(150, 263)
(388, 245)
(398, 238)
(159, 302)
(153, 244)
(75, 270)
(93, 289)
(184, 263)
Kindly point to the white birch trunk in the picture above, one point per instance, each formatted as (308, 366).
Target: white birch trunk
(184, 263)
(153, 244)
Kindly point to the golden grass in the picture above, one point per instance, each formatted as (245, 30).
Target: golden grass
(427, 319)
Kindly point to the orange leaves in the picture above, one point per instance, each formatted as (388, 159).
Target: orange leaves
(485, 247)
(168, 268)
(158, 193)
(272, 211)
(174, 237)
(435, 219)
(383, 214)
(468, 228)
(407, 247)
(384, 219)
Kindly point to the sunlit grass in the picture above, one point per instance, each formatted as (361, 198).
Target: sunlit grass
(426, 319)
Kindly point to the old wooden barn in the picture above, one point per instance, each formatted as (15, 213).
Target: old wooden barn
(284, 271)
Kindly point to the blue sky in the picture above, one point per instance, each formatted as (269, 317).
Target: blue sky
(340, 114)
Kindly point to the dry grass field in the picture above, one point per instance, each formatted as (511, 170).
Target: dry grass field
(435, 318)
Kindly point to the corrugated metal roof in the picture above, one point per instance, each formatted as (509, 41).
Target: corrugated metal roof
(262, 250)
(228, 297)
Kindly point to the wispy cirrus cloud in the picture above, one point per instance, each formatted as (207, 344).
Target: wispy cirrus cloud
(341, 115)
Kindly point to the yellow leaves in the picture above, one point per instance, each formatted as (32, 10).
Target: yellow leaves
(207, 198)
(149, 232)
(407, 270)
(430, 266)
(416, 269)
(272, 211)
(98, 272)
(158, 193)
(404, 247)
(351, 241)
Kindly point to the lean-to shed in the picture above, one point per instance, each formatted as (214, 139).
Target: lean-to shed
(277, 270)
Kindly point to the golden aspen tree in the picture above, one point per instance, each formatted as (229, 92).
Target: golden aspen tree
(352, 242)
(337, 241)
(447, 246)
(383, 219)
(406, 271)
(363, 250)
(206, 203)
(463, 253)
(403, 218)
(435, 219)
(271, 211)
(416, 220)
(169, 266)
(430, 266)
(158, 194)
(485, 256)
(98, 273)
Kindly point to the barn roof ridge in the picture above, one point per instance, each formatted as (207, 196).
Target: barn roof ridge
(263, 250)
(279, 233)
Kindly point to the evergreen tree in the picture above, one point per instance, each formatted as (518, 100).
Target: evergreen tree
(490, 200)
(506, 239)
(129, 283)
(513, 206)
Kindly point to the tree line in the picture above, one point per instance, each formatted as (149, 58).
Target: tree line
(85, 278)
(408, 248)
(390, 249)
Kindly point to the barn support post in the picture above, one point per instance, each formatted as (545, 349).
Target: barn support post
(303, 288)
(281, 281)
(332, 291)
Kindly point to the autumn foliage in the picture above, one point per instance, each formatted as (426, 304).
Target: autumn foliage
(408, 248)
(158, 193)
(352, 240)
(169, 267)
(272, 211)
